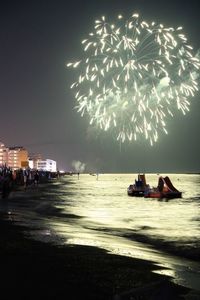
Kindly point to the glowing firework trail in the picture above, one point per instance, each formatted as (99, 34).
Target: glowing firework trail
(133, 76)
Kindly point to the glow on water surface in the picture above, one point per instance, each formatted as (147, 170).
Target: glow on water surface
(87, 211)
(111, 220)
(104, 203)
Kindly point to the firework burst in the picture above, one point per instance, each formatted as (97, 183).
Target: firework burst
(133, 76)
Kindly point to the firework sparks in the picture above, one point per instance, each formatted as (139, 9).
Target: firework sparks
(133, 76)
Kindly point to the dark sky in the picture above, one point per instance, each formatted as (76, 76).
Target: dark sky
(37, 39)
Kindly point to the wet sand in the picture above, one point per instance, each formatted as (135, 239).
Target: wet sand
(36, 270)
(32, 270)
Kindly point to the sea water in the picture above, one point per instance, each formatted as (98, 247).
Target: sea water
(95, 210)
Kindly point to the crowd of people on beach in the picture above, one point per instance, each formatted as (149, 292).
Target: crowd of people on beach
(11, 179)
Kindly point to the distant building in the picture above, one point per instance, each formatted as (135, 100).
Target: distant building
(47, 165)
(17, 157)
(3, 155)
(33, 160)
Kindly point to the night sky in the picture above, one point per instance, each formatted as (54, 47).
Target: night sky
(37, 39)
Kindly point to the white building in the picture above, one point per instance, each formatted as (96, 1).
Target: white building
(47, 165)
(3, 154)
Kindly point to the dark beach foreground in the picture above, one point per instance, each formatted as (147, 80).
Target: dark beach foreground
(33, 269)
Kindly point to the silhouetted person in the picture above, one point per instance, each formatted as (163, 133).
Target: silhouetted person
(36, 177)
(6, 186)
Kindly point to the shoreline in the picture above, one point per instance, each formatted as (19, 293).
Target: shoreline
(180, 250)
(34, 268)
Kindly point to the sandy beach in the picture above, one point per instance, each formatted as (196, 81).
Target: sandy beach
(33, 269)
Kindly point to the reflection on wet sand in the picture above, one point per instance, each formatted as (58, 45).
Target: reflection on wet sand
(99, 213)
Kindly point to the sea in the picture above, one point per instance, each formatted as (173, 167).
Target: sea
(95, 210)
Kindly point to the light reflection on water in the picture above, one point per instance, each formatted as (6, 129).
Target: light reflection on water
(104, 202)
(99, 212)
(108, 214)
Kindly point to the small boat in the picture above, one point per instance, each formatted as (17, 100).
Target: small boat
(139, 187)
(165, 189)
